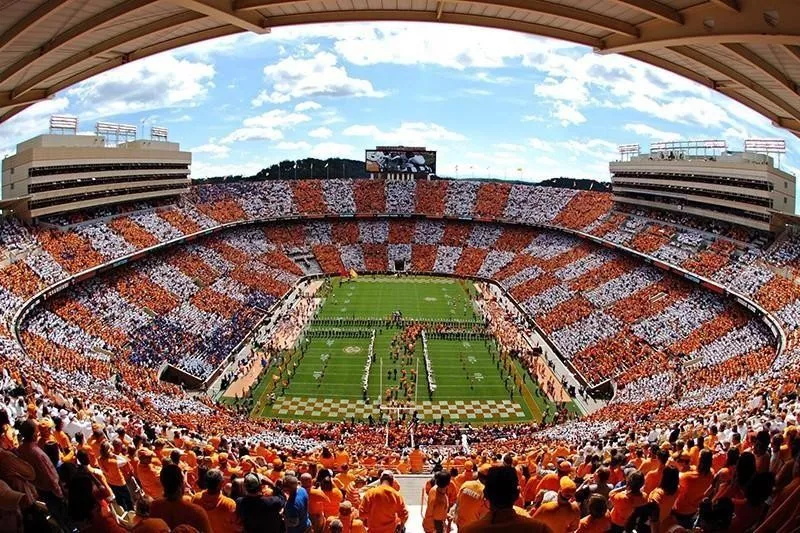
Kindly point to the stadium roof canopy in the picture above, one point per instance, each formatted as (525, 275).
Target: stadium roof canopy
(746, 49)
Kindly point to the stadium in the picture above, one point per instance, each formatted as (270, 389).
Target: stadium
(413, 350)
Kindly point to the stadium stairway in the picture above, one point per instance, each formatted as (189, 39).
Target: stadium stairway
(411, 488)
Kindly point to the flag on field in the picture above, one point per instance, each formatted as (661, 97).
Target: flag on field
(353, 274)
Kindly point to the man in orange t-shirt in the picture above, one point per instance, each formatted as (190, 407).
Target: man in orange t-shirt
(597, 520)
(470, 504)
(562, 515)
(501, 491)
(551, 481)
(438, 505)
(417, 460)
(348, 518)
(221, 510)
(174, 508)
(382, 507)
(317, 501)
(626, 500)
(147, 473)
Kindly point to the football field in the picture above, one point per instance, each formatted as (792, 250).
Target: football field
(322, 378)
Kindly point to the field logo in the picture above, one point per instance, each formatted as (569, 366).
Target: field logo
(478, 376)
(324, 357)
(351, 349)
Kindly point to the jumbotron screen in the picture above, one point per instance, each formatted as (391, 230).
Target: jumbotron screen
(401, 159)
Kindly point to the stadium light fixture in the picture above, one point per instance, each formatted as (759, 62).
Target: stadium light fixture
(766, 146)
(158, 133)
(63, 124)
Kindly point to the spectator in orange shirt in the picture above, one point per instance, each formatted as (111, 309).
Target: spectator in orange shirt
(625, 501)
(174, 508)
(693, 485)
(417, 460)
(343, 479)
(221, 510)
(438, 505)
(501, 491)
(334, 495)
(653, 478)
(562, 515)
(348, 518)
(600, 486)
(110, 465)
(551, 481)
(597, 520)
(470, 504)
(382, 507)
(662, 499)
(317, 501)
(148, 473)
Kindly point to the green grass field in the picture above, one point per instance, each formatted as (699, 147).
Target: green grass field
(326, 383)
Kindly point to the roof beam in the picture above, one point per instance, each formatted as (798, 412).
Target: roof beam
(439, 8)
(80, 29)
(32, 18)
(761, 64)
(173, 21)
(675, 68)
(12, 112)
(541, 7)
(141, 53)
(224, 12)
(706, 24)
(35, 96)
(7, 98)
(655, 9)
(736, 76)
(733, 5)
(793, 51)
(430, 16)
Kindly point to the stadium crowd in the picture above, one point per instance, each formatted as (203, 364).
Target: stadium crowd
(697, 379)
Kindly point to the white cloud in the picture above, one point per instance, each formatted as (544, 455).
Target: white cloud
(570, 89)
(203, 169)
(156, 82)
(408, 133)
(451, 46)
(477, 92)
(28, 123)
(489, 78)
(652, 133)
(307, 106)
(540, 144)
(567, 114)
(215, 151)
(320, 133)
(286, 145)
(332, 149)
(266, 126)
(319, 75)
(509, 147)
(532, 118)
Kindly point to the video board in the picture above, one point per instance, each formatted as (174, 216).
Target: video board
(402, 159)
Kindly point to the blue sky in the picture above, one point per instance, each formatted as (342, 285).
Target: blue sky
(489, 101)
